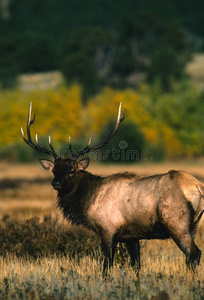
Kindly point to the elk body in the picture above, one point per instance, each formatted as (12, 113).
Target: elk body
(125, 207)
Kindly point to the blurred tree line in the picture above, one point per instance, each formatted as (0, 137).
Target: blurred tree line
(157, 125)
(100, 42)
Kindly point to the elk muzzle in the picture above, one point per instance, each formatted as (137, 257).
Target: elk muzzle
(57, 183)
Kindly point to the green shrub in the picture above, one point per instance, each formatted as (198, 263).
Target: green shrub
(126, 146)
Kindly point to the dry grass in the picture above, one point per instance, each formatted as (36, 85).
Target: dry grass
(25, 191)
(66, 278)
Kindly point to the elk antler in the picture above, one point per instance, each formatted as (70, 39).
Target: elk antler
(37, 146)
(88, 149)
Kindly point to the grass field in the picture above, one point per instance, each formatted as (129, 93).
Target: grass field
(25, 192)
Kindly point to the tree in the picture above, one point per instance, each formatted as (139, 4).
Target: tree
(169, 58)
(78, 58)
(36, 52)
(9, 64)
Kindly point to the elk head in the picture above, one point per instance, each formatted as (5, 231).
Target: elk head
(66, 169)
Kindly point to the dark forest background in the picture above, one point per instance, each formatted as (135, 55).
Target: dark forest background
(100, 42)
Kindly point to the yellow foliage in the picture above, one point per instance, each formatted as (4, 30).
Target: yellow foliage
(58, 113)
(104, 106)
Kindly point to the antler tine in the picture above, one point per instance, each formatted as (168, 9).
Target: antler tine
(29, 140)
(51, 147)
(83, 151)
(72, 152)
(70, 145)
(89, 142)
(29, 122)
(118, 122)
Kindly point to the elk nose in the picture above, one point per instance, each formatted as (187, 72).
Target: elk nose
(57, 184)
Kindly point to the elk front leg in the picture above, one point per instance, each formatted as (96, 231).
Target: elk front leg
(133, 247)
(108, 247)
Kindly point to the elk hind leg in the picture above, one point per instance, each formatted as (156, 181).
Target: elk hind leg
(178, 223)
(193, 258)
(186, 243)
(194, 225)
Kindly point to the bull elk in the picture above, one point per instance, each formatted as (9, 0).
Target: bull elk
(125, 207)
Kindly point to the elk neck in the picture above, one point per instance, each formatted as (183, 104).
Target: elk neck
(76, 197)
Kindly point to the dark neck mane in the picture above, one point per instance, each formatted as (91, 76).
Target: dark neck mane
(74, 203)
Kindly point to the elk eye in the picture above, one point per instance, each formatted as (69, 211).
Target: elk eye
(71, 172)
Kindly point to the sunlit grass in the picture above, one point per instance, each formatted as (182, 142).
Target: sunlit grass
(66, 278)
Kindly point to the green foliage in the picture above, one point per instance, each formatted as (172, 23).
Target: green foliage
(9, 65)
(165, 67)
(79, 55)
(169, 58)
(17, 152)
(146, 127)
(36, 53)
(181, 111)
(41, 36)
(171, 123)
(126, 146)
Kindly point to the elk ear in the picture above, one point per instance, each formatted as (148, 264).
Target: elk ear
(83, 164)
(47, 164)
